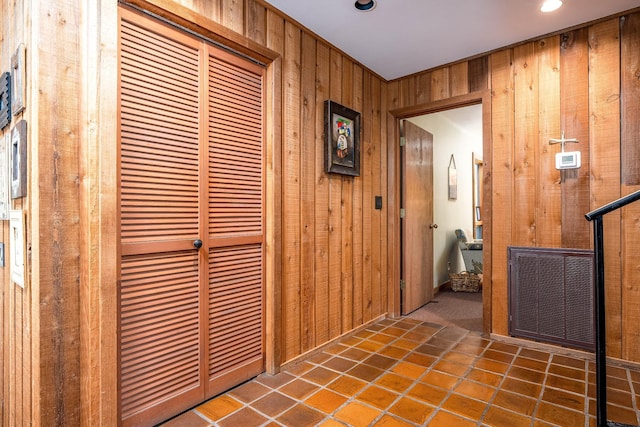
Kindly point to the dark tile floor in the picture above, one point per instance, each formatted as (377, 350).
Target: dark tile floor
(407, 372)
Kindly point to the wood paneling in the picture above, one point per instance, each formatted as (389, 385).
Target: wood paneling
(346, 219)
(321, 282)
(321, 188)
(366, 170)
(630, 146)
(523, 208)
(502, 178)
(548, 187)
(604, 135)
(585, 83)
(292, 339)
(574, 116)
(478, 74)
(273, 151)
(52, 210)
(98, 220)
(307, 191)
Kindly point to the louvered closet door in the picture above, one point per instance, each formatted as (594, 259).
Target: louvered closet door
(191, 173)
(161, 295)
(235, 221)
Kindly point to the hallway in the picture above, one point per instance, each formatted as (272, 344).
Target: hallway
(404, 372)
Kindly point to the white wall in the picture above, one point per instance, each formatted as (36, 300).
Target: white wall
(457, 132)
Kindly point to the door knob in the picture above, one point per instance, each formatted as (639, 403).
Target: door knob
(433, 225)
(197, 243)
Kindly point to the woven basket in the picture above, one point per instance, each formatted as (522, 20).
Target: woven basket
(465, 282)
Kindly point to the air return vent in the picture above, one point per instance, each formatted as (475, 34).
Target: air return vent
(551, 296)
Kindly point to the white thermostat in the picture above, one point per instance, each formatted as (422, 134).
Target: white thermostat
(568, 160)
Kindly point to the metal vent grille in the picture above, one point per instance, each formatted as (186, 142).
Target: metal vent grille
(551, 296)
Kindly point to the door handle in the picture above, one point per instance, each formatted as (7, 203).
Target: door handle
(433, 225)
(197, 243)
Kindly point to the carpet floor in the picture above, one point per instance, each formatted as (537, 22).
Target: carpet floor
(449, 308)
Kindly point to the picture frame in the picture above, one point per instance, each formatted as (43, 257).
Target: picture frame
(5, 147)
(18, 80)
(19, 160)
(342, 139)
(5, 99)
(453, 179)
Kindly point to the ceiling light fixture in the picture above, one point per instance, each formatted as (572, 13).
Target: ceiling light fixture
(365, 5)
(550, 5)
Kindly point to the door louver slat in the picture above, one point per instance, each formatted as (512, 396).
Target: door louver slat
(151, 367)
(158, 174)
(235, 150)
(235, 325)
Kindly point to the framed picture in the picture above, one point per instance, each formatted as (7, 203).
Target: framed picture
(18, 77)
(5, 146)
(5, 100)
(342, 139)
(19, 160)
(453, 179)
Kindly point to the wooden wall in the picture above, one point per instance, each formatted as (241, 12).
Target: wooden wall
(16, 322)
(59, 334)
(54, 335)
(585, 82)
(332, 241)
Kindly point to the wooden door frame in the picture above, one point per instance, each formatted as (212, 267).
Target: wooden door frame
(394, 118)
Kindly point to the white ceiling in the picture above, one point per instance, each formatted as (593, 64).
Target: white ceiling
(402, 37)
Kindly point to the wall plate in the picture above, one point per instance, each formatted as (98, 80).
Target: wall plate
(17, 246)
(5, 150)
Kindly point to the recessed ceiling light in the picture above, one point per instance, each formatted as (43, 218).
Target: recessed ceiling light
(550, 5)
(365, 5)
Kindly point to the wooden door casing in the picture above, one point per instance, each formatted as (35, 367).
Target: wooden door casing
(191, 220)
(417, 201)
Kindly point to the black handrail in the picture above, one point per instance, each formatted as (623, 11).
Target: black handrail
(598, 267)
(616, 204)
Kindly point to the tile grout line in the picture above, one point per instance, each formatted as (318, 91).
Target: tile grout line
(460, 379)
(407, 328)
(499, 386)
(389, 369)
(542, 388)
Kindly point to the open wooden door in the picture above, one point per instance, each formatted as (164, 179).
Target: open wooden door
(417, 218)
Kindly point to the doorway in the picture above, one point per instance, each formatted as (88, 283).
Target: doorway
(461, 139)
